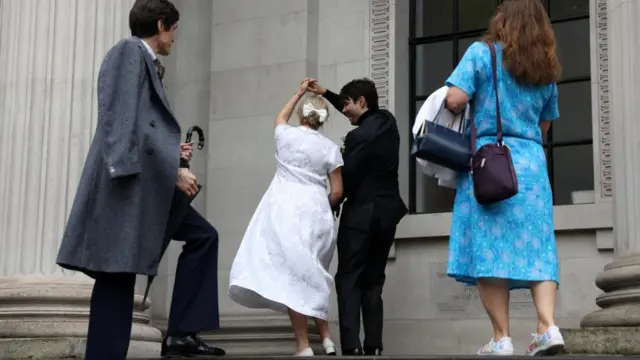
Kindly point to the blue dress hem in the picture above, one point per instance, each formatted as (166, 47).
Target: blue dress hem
(513, 284)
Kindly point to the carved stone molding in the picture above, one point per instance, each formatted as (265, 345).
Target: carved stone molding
(381, 55)
(604, 103)
(380, 23)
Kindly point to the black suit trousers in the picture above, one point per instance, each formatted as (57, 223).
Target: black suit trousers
(194, 306)
(362, 260)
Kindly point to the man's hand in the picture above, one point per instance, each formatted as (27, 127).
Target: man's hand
(186, 151)
(314, 87)
(304, 86)
(187, 182)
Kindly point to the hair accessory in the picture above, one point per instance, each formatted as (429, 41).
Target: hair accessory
(308, 108)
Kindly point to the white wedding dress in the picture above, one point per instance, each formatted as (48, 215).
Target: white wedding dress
(284, 256)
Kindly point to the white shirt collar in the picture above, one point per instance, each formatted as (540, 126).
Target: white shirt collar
(149, 49)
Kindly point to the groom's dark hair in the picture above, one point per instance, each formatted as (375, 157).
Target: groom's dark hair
(145, 14)
(361, 87)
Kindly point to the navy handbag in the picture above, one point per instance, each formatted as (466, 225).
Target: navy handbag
(442, 145)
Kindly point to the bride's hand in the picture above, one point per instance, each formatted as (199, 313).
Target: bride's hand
(304, 85)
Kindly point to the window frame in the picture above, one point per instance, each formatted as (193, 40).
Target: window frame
(455, 36)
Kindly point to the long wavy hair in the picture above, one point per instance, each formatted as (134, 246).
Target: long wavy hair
(529, 53)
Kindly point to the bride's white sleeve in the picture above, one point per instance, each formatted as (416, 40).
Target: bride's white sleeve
(335, 159)
(280, 129)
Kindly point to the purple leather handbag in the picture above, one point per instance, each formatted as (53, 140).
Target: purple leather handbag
(492, 171)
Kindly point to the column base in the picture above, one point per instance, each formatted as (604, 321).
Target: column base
(620, 302)
(66, 348)
(615, 328)
(46, 317)
(602, 341)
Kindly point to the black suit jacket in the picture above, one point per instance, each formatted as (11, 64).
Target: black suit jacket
(370, 172)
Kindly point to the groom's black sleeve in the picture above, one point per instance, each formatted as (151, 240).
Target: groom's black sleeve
(334, 99)
(356, 148)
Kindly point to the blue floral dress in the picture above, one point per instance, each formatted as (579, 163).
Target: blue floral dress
(513, 239)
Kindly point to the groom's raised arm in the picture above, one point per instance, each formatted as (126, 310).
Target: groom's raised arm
(334, 99)
(329, 95)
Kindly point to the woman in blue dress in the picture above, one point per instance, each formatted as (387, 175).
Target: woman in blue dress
(511, 244)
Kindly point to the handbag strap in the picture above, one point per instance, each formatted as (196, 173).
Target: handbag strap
(494, 70)
(435, 120)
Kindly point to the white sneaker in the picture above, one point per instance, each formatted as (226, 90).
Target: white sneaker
(305, 352)
(329, 347)
(502, 347)
(549, 343)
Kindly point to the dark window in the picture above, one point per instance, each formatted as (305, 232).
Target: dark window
(449, 27)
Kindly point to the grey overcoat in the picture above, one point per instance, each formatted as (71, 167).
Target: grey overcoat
(121, 208)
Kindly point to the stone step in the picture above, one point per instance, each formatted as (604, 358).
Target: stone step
(401, 357)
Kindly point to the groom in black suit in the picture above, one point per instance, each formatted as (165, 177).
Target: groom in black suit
(370, 214)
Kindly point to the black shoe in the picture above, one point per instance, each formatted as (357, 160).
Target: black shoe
(373, 352)
(352, 352)
(192, 345)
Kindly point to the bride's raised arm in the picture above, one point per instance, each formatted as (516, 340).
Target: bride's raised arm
(287, 110)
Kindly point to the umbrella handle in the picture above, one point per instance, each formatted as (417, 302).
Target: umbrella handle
(184, 163)
(201, 139)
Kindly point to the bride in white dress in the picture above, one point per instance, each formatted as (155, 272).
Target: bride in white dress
(283, 260)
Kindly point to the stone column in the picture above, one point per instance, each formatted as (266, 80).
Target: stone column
(50, 53)
(615, 328)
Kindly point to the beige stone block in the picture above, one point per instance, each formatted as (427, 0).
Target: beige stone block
(327, 77)
(255, 91)
(190, 101)
(225, 11)
(267, 40)
(344, 37)
(577, 287)
(348, 71)
(334, 8)
(577, 244)
(241, 142)
(161, 294)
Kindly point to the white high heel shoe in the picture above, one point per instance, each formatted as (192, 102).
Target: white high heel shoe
(305, 352)
(329, 347)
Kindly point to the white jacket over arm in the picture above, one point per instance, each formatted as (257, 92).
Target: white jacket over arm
(428, 112)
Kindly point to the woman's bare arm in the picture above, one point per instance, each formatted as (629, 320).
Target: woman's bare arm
(335, 182)
(287, 110)
(456, 100)
(544, 126)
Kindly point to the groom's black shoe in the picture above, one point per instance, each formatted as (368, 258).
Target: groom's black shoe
(352, 352)
(188, 346)
(373, 352)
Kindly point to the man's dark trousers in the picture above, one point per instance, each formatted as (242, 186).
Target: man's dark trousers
(194, 306)
(362, 260)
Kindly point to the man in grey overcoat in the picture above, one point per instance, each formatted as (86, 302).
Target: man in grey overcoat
(124, 210)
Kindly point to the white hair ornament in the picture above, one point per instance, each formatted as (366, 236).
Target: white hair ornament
(308, 108)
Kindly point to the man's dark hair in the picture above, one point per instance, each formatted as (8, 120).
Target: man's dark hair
(145, 14)
(361, 87)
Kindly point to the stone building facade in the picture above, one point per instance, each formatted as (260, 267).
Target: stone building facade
(234, 66)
